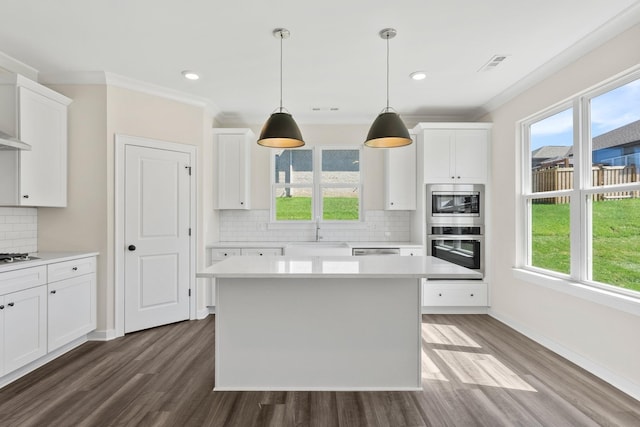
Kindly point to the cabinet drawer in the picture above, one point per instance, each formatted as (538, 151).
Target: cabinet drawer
(454, 295)
(217, 254)
(262, 251)
(16, 280)
(68, 269)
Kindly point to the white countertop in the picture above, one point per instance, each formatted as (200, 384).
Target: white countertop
(44, 258)
(283, 244)
(337, 267)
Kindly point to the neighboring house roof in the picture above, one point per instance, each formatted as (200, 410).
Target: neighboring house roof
(551, 152)
(620, 136)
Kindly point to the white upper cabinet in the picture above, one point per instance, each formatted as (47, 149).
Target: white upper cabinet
(400, 177)
(38, 116)
(233, 150)
(456, 152)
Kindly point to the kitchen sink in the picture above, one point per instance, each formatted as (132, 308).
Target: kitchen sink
(317, 249)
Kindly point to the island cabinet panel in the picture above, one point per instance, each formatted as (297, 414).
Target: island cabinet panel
(318, 334)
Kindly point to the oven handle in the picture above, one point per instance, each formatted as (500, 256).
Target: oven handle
(455, 236)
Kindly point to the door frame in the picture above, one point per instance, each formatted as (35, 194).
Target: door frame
(121, 142)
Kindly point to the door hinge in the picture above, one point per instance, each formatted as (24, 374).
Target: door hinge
(189, 168)
(189, 231)
(189, 292)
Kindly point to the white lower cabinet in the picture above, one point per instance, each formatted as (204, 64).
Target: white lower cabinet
(38, 317)
(71, 310)
(439, 293)
(24, 327)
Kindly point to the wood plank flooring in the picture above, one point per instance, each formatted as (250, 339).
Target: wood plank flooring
(476, 372)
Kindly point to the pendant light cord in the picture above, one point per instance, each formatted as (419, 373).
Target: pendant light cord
(281, 37)
(387, 73)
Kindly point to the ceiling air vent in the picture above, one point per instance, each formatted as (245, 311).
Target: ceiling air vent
(493, 62)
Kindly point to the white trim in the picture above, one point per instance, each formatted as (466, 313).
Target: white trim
(203, 313)
(619, 382)
(111, 79)
(624, 303)
(614, 27)
(121, 141)
(13, 65)
(104, 335)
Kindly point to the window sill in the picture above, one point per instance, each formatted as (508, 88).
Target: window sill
(613, 300)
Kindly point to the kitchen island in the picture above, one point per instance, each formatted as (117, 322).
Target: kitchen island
(321, 323)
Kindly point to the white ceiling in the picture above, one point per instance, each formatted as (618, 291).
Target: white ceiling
(334, 57)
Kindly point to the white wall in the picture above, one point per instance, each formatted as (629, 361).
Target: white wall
(601, 337)
(97, 114)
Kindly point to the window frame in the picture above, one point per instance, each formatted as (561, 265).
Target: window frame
(317, 187)
(581, 252)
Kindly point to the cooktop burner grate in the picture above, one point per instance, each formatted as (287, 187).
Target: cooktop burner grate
(11, 257)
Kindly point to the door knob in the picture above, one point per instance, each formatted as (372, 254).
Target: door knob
(132, 247)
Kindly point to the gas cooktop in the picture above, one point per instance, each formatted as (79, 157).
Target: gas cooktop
(14, 257)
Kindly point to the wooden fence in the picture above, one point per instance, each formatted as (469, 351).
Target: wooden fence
(561, 178)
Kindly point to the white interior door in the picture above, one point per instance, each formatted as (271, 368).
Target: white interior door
(156, 237)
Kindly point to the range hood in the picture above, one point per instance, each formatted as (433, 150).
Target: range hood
(8, 142)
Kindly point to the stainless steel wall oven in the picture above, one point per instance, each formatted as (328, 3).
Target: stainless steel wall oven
(462, 245)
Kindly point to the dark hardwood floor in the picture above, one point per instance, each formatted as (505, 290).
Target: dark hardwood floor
(476, 372)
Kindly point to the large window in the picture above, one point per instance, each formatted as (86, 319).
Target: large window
(321, 184)
(581, 194)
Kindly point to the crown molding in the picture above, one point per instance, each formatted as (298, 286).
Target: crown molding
(116, 80)
(614, 27)
(12, 65)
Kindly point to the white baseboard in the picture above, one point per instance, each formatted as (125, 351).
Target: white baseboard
(104, 335)
(14, 375)
(454, 310)
(622, 384)
(202, 313)
(212, 309)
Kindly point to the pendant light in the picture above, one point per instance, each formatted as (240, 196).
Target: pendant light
(280, 130)
(388, 130)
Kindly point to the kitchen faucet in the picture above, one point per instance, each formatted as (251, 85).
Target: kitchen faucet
(318, 229)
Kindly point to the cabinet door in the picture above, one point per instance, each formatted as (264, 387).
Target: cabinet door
(438, 156)
(233, 170)
(25, 327)
(43, 170)
(400, 177)
(471, 158)
(72, 309)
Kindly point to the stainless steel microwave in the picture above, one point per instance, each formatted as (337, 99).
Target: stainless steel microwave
(455, 204)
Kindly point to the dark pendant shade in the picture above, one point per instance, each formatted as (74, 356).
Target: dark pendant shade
(388, 131)
(281, 131)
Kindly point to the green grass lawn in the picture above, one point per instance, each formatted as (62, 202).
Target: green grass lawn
(616, 240)
(299, 208)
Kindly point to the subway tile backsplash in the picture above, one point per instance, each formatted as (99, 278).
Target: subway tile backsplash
(18, 230)
(254, 226)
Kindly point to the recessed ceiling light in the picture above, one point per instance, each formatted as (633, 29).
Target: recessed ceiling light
(418, 75)
(190, 75)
